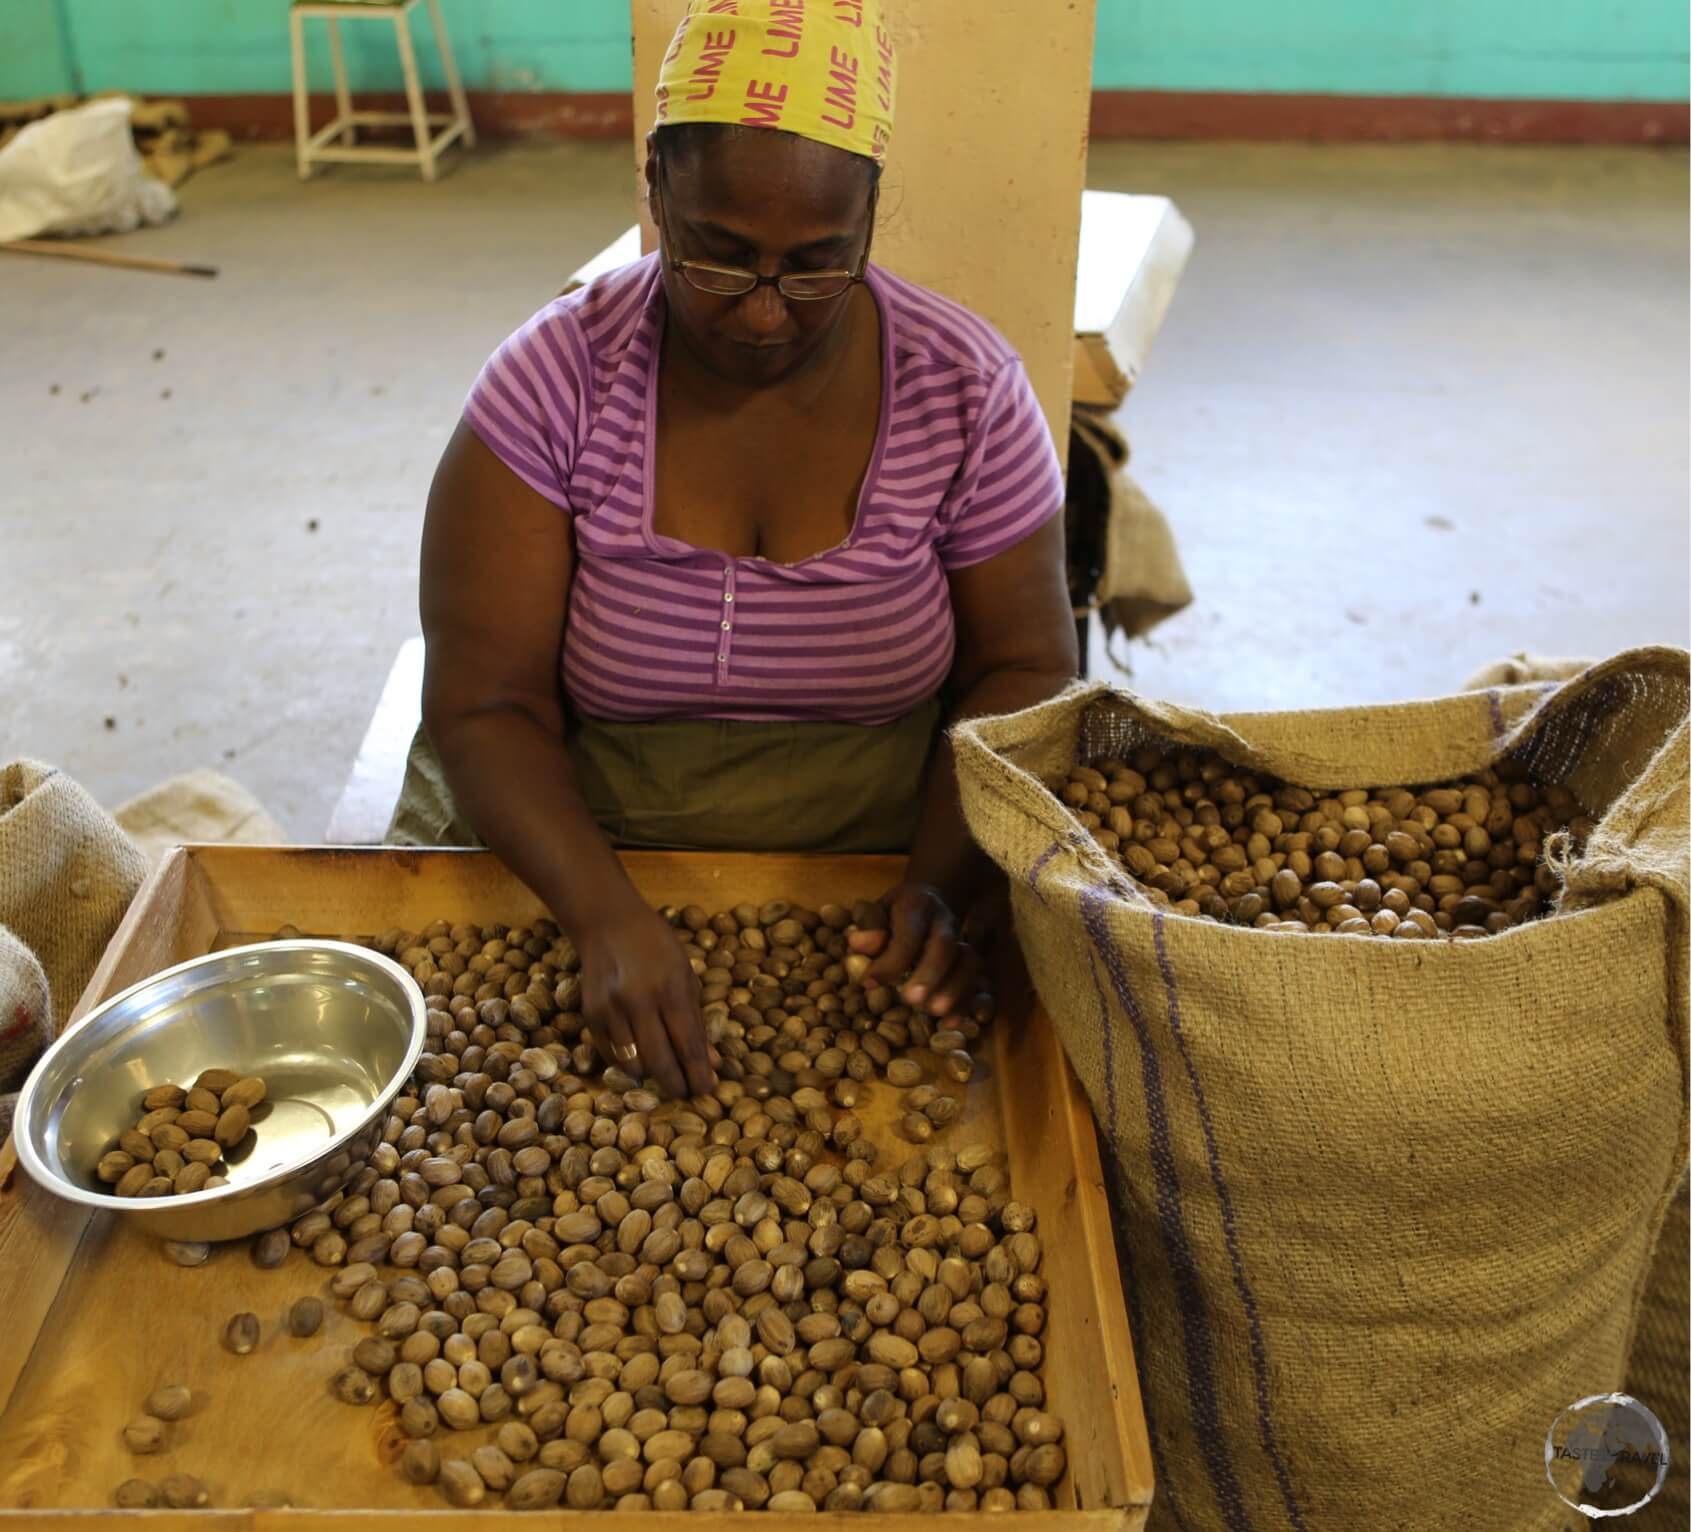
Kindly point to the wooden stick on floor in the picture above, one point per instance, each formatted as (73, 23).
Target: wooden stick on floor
(107, 257)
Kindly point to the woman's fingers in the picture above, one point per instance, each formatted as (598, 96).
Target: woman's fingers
(686, 1032)
(871, 914)
(614, 1037)
(870, 921)
(939, 953)
(911, 921)
(657, 1055)
(956, 992)
(664, 1031)
(651, 1026)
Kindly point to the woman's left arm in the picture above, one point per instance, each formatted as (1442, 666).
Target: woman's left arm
(1016, 646)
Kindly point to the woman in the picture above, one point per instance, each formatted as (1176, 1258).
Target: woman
(726, 536)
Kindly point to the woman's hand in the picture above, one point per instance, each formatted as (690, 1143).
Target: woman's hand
(922, 952)
(641, 1003)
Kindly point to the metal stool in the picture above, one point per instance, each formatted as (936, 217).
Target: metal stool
(311, 147)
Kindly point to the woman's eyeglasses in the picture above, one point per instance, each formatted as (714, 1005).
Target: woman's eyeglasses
(736, 282)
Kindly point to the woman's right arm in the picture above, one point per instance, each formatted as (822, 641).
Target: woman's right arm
(497, 563)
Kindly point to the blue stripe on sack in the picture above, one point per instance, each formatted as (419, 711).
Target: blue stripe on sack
(1195, 1324)
(1229, 1227)
(1164, 1489)
(1107, 1040)
(1041, 862)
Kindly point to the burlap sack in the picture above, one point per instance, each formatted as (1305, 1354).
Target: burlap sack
(1521, 669)
(197, 807)
(67, 874)
(25, 1020)
(1123, 563)
(1658, 1367)
(1384, 1209)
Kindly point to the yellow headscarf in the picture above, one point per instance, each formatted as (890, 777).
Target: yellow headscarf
(822, 69)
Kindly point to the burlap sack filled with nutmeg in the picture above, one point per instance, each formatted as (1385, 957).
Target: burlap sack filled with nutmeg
(67, 874)
(1385, 1208)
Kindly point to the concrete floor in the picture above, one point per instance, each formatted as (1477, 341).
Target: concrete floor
(1413, 408)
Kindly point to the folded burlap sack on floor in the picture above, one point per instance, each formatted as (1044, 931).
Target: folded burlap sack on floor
(1384, 1209)
(199, 806)
(1522, 669)
(67, 874)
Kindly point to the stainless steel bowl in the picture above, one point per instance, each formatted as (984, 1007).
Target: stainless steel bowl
(335, 1031)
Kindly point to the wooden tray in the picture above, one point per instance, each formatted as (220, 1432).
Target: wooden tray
(95, 1316)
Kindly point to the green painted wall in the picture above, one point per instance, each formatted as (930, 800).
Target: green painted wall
(1554, 50)
(236, 47)
(34, 60)
(1550, 49)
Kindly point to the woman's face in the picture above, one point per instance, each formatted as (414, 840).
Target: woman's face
(770, 203)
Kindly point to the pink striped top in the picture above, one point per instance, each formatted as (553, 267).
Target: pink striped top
(963, 468)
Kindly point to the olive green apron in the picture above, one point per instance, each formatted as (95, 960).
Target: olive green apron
(718, 785)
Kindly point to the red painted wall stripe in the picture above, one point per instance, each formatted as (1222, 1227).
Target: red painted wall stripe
(1115, 114)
